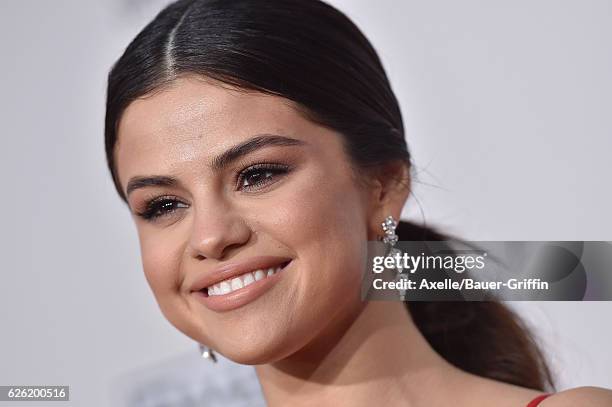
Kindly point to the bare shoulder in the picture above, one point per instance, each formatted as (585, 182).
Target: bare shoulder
(580, 396)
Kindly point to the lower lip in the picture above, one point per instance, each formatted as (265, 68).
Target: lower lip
(242, 296)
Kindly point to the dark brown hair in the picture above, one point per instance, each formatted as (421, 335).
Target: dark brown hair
(309, 52)
(482, 337)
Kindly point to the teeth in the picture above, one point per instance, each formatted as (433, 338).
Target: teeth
(236, 283)
(248, 279)
(225, 288)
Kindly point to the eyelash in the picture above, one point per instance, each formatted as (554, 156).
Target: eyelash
(154, 208)
(275, 169)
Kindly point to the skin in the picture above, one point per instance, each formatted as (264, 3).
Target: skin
(310, 336)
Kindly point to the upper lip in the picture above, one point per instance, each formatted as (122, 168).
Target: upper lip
(233, 269)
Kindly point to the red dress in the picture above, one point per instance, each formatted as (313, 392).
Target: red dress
(536, 401)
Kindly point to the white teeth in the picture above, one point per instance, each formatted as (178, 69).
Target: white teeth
(248, 279)
(225, 287)
(236, 283)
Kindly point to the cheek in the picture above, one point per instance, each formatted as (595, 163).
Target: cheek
(161, 255)
(322, 220)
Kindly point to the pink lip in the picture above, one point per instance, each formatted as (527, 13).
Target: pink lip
(243, 296)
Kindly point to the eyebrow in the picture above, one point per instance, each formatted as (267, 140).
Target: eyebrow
(219, 162)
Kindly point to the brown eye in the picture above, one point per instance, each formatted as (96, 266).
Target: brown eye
(260, 175)
(256, 177)
(160, 207)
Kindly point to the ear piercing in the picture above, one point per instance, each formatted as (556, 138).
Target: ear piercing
(390, 238)
(207, 353)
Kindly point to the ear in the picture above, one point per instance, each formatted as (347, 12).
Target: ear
(390, 187)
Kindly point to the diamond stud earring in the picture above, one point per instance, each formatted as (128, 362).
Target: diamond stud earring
(208, 353)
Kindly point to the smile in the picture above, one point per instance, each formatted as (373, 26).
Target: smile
(236, 283)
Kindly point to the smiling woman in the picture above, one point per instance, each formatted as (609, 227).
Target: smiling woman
(259, 146)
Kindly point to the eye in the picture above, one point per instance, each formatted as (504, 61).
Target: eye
(260, 175)
(160, 207)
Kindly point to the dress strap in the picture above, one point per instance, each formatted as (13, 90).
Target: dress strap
(536, 401)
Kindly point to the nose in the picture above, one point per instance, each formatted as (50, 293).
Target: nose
(216, 232)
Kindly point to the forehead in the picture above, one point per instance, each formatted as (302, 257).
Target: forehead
(194, 119)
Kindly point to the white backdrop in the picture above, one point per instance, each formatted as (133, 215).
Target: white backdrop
(506, 108)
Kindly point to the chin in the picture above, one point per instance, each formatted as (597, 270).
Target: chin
(255, 353)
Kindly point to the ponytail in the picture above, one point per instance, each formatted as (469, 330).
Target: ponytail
(483, 338)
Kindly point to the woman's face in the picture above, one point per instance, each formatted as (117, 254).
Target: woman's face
(223, 183)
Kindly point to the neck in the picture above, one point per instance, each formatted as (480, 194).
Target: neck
(378, 356)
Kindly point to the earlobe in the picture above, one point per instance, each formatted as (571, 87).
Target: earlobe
(390, 188)
(393, 183)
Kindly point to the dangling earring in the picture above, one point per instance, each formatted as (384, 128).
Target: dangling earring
(207, 353)
(390, 239)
